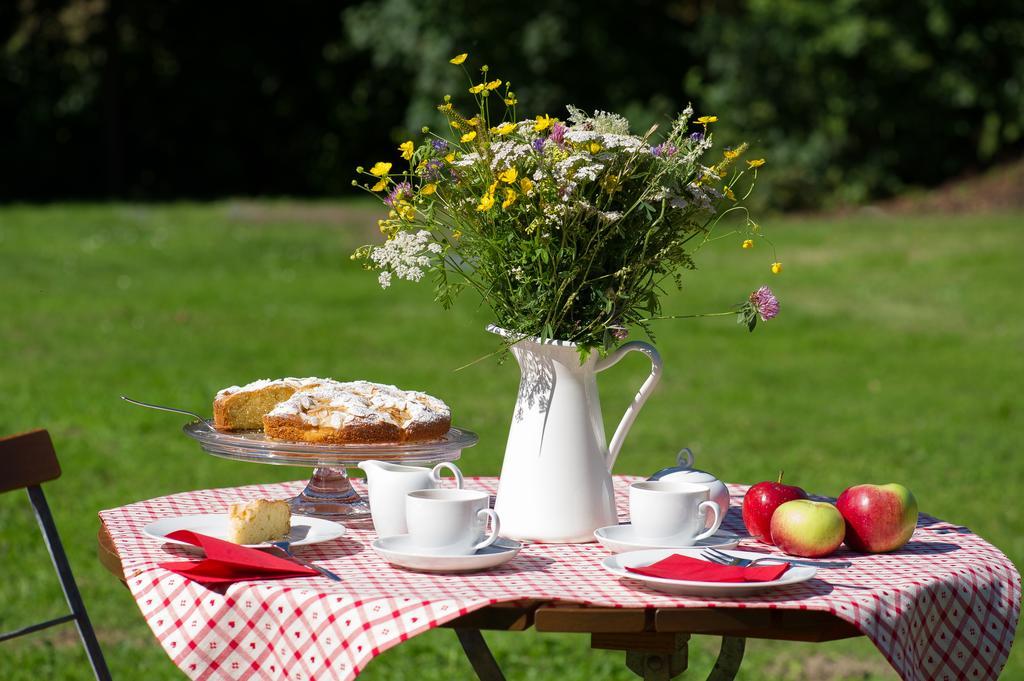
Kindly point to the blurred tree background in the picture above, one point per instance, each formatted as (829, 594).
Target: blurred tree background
(850, 101)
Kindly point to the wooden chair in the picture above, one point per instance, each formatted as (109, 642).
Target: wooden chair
(27, 461)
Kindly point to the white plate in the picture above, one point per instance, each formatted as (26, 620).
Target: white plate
(399, 550)
(620, 538)
(617, 566)
(305, 530)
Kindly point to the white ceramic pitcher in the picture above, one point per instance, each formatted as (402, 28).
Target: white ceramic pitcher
(556, 483)
(389, 483)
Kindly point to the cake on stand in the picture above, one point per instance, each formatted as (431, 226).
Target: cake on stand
(328, 494)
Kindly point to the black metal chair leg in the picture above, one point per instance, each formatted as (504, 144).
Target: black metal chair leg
(67, 582)
(484, 664)
(729, 658)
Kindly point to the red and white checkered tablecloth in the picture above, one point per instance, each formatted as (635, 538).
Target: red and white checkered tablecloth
(944, 607)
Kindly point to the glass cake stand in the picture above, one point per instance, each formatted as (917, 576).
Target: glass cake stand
(329, 494)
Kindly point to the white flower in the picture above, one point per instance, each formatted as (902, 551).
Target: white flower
(467, 159)
(403, 256)
(507, 153)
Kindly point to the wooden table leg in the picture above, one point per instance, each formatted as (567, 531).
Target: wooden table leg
(484, 664)
(729, 659)
(651, 655)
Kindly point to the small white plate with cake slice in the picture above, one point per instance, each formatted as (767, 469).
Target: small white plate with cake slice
(303, 530)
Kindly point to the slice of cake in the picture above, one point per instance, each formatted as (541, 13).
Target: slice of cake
(243, 407)
(258, 521)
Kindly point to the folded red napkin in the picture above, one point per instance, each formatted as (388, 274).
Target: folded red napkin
(226, 562)
(694, 570)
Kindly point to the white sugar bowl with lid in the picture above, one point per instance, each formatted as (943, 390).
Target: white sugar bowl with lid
(684, 471)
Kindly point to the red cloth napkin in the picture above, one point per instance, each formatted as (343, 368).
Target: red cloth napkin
(226, 562)
(694, 570)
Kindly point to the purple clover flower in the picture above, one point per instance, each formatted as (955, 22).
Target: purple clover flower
(558, 134)
(696, 136)
(432, 170)
(401, 192)
(765, 302)
(538, 144)
(440, 146)
(664, 150)
(619, 333)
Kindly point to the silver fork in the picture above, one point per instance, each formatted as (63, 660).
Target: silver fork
(286, 547)
(722, 558)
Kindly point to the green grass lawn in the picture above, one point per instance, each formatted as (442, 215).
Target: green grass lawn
(897, 356)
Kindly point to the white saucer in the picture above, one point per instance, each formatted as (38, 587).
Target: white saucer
(305, 530)
(617, 566)
(399, 550)
(619, 538)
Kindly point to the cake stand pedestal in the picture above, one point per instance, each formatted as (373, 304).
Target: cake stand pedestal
(329, 493)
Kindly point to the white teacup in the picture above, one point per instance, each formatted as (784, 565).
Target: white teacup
(672, 511)
(450, 522)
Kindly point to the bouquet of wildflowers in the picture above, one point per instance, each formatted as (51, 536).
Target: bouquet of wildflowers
(567, 229)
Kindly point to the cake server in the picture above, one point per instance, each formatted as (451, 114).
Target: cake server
(172, 409)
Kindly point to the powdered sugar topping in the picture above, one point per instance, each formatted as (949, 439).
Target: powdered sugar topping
(336, 404)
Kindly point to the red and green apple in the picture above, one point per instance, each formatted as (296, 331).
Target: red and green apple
(807, 528)
(879, 518)
(760, 503)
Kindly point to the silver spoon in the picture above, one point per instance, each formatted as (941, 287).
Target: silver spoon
(172, 409)
(286, 547)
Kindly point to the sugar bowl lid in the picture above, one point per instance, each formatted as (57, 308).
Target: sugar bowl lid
(684, 470)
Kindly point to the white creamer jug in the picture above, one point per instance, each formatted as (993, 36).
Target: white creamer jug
(388, 484)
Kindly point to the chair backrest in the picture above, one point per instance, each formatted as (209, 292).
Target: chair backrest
(27, 460)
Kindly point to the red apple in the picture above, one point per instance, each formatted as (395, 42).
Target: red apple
(879, 518)
(760, 503)
(808, 528)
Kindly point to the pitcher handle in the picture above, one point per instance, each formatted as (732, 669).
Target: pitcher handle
(641, 396)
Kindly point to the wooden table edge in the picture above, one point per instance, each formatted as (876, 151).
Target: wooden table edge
(811, 626)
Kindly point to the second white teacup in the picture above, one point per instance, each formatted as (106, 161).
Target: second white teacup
(450, 522)
(672, 511)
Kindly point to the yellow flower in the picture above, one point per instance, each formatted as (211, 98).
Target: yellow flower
(776, 267)
(428, 189)
(458, 59)
(543, 123)
(486, 202)
(511, 101)
(593, 147)
(526, 184)
(450, 157)
(456, 234)
(728, 193)
(494, 84)
(406, 148)
(381, 185)
(731, 153)
(468, 137)
(510, 197)
(504, 129)
(508, 176)
(477, 89)
(757, 163)
(447, 106)
(473, 122)
(380, 169)
(455, 124)
(406, 211)
(748, 243)
(493, 187)
(704, 120)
